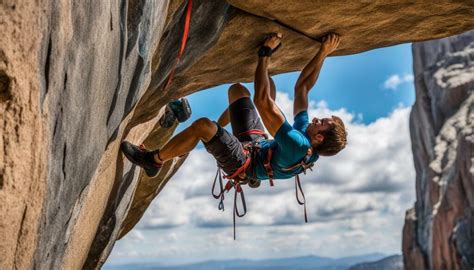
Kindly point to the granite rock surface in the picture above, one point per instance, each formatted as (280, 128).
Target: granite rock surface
(438, 232)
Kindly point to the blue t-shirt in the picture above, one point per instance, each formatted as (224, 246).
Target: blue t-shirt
(290, 146)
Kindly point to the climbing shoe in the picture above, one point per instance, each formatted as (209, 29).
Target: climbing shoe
(181, 109)
(141, 157)
(177, 109)
(168, 118)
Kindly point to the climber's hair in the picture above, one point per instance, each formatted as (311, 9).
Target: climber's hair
(335, 139)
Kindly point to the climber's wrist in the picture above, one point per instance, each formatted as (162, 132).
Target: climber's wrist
(265, 51)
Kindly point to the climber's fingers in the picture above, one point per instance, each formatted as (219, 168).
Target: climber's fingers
(273, 40)
(330, 43)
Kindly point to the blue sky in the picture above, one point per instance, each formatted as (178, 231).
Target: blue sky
(355, 82)
(356, 200)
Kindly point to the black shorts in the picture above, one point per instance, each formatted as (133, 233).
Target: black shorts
(244, 117)
(227, 148)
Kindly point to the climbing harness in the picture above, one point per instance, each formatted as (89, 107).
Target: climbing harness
(240, 177)
(235, 181)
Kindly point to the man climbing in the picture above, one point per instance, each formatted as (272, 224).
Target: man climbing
(293, 149)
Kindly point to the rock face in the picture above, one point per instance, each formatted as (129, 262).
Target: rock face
(78, 77)
(439, 230)
(394, 262)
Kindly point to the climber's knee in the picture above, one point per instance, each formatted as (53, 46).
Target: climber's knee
(237, 91)
(204, 128)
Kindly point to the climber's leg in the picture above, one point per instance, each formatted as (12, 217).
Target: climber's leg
(243, 114)
(185, 141)
(227, 150)
(224, 118)
(202, 129)
(235, 92)
(225, 147)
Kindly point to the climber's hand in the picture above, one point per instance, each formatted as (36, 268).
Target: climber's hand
(273, 40)
(330, 43)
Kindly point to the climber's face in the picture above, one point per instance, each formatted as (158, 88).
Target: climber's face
(317, 127)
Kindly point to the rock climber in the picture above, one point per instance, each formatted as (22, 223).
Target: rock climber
(291, 151)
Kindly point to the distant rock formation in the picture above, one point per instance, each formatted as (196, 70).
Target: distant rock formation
(394, 262)
(439, 230)
(78, 77)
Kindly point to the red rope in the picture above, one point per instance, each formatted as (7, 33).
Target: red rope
(183, 43)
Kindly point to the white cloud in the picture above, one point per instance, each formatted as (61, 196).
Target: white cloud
(395, 80)
(136, 235)
(355, 200)
(377, 160)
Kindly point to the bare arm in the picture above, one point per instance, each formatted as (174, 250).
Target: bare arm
(265, 91)
(271, 115)
(310, 73)
(273, 92)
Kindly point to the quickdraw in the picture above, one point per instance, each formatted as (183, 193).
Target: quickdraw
(232, 183)
(219, 195)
